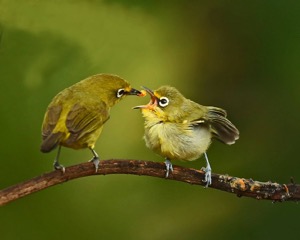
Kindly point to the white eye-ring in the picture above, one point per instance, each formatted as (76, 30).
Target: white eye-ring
(120, 92)
(163, 101)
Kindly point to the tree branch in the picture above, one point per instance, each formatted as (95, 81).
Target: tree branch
(239, 186)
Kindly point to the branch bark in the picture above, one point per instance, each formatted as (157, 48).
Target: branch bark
(239, 186)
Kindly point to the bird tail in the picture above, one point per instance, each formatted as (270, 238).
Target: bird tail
(222, 128)
(50, 142)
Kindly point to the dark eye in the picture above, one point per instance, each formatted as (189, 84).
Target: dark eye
(163, 101)
(120, 92)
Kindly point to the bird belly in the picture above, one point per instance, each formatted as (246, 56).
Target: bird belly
(177, 141)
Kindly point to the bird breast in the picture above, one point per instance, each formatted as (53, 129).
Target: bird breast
(177, 141)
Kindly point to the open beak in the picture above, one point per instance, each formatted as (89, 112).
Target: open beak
(153, 101)
(133, 91)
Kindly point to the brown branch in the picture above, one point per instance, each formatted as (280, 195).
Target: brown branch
(239, 186)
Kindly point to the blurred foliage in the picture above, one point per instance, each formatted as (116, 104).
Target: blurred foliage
(240, 55)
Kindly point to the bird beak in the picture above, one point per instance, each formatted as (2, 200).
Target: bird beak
(153, 101)
(133, 91)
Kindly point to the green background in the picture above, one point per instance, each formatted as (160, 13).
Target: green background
(242, 56)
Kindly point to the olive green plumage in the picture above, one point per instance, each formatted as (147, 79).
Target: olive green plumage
(76, 115)
(180, 129)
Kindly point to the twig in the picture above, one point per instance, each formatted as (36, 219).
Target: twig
(239, 186)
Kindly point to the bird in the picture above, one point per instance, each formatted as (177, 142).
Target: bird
(76, 115)
(178, 128)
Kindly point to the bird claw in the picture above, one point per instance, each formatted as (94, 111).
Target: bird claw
(58, 166)
(207, 177)
(169, 167)
(95, 161)
(207, 170)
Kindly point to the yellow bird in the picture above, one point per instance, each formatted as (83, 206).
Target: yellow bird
(76, 115)
(180, 129)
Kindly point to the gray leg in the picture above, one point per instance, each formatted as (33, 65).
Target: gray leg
(95, 159)
(207, 170)
(56, 164)
(168, 167)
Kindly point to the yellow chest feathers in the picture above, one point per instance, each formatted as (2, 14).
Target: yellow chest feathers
(177, 141)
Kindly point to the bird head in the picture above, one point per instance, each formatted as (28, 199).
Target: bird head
(110, 88)
(166, 104)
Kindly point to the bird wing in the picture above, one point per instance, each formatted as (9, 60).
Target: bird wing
(50, 139)
(50, 120)
(222, 128)
(85, 119)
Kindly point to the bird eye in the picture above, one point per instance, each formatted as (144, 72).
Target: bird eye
(163, 102)
(120, 92)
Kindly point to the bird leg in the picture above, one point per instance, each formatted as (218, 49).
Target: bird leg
(169, 167)
(56, 164)
(95, 159)
(207, 170)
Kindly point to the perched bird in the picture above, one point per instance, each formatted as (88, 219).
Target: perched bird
(76, 115)
(180, 129)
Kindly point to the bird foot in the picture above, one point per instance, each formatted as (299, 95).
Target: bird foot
(207, 177)
(207, 171)
(95, 161)
(169, 167)
(58, 166)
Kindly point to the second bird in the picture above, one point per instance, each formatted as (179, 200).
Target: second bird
(180, 129)
(76, 115)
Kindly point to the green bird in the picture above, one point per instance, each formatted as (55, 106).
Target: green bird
(180, 129)
(75, 117)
